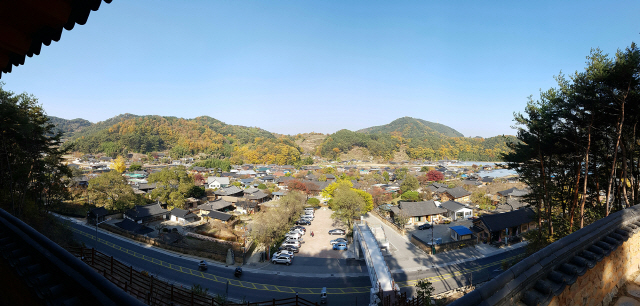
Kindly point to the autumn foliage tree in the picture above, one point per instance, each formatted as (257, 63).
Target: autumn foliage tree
(434, 175)
(297, 185)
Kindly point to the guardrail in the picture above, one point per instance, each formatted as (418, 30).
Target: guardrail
(153, 291)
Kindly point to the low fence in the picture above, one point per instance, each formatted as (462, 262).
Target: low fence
(394, 226)
(153, 291)
(444, 247)
(211, 254)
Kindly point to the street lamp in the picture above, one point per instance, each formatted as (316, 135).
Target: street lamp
(98, 223)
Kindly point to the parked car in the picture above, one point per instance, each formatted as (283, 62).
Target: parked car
(292, 239)
(339, 240)
(295, 231)
(336, 231)
(311, 209)
(302, 228)
(340, 246)
(284, 259)
(289, 248)
(303, 222)
(307, 217)
(290, 243)
(424, 226)
(284, 252)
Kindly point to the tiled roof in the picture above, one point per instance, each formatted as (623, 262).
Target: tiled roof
(219, 215)
(139, 212)
(256, 195)
(414, 209)
(501, 221)
(453, 206)
(180, 213)
(458, 192)
(99, 212)
(215, 205)
(228, 191)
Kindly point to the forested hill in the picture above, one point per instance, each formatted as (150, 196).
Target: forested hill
(419, 139)
(408, 127)
(69, 127)
(143, 134)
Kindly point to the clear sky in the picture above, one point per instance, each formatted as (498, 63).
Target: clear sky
(301, 66)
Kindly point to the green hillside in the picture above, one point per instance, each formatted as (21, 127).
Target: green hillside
(420, 139)
(69, 127)
(408, 127)
(143, 134)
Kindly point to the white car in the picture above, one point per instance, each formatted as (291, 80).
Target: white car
(290, 239)
(283, 252)
(281, 259)
(292, 235)
(296, 231)
(290, 243)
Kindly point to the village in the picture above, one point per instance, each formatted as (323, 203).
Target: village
(459, 208)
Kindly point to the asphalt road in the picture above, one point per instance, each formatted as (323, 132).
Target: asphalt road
(276, 282)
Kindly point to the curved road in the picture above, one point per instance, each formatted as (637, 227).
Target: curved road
(276, 282)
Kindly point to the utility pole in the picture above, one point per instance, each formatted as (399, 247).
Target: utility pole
(98, 223)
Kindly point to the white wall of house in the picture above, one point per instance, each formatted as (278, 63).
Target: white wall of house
(462, 214)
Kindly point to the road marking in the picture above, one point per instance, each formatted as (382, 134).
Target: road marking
(285, 289)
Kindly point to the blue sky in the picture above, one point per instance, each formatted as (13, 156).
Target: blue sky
(301, 66)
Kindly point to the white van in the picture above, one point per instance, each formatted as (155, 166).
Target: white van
(309, 209)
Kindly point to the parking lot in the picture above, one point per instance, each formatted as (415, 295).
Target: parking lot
(319, 246)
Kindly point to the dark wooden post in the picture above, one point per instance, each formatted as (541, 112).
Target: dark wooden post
(93, 256)
(125, 287)
(191, 296)
(131, 275)
(171, 293)
(274, 302)
(111, 264)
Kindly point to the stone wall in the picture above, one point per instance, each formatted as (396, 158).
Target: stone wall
(587, 267)
(600, 284)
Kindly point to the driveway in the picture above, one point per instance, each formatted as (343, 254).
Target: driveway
(319, 245)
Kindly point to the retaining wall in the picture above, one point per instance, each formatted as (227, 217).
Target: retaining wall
(587, 267)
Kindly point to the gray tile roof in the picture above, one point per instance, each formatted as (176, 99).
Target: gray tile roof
(258, 195)
(501, 221)
(138, 212)
(415, 209)
(458, 192)
(219, 215)
(215, 205)
(228, 191)
(453, 206)
(180, 213)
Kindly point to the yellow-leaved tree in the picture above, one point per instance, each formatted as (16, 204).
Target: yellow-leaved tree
(118, 165)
